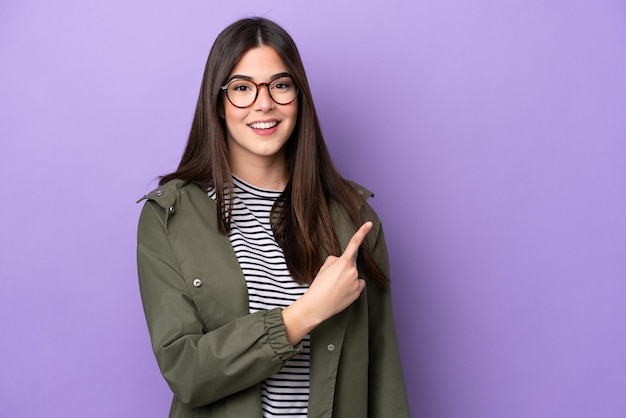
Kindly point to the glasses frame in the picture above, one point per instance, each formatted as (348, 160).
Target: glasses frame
(224, 89)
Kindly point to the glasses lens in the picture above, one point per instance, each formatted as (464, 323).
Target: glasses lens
(241, 92)
(283, 90)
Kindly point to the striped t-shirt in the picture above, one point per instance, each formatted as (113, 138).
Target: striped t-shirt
(285, 394)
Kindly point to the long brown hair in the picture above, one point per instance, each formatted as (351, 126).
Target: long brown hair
(302, 229)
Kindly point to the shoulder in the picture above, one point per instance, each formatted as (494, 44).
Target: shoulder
(172, 192)
(344, 226)
(360, 193)
(166, 199)
(166, 194)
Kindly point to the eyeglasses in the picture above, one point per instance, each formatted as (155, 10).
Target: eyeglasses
(242, 92)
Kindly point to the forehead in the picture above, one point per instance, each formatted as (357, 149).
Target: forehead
(259, 63)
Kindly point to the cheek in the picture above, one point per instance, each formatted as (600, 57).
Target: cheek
(233, 115)
(292, 113)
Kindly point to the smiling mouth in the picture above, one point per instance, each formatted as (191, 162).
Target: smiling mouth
(263, 125)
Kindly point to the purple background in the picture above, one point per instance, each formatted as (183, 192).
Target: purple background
(494, 136)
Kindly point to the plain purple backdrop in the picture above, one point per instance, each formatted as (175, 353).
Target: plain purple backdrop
(494, 136)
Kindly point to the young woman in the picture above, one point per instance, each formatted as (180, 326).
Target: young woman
(263, 273)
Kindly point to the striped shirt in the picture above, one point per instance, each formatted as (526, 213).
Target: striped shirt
(285, 394)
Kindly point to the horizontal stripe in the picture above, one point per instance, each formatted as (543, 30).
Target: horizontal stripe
(270, 285)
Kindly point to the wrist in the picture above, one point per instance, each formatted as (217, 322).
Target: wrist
(299, 319)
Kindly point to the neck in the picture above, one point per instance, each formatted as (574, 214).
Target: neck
(264, 174)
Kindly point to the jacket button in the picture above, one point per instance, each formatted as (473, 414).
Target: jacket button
(172, 210)
(159, 193)
(197, 283)
(330, 347)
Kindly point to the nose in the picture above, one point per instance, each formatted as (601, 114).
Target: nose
(264, 102)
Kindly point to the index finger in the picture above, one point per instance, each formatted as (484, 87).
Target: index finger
(355, 242)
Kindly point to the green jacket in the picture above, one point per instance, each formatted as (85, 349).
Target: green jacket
(214, 354)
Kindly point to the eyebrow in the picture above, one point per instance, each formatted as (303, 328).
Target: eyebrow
(246, 77)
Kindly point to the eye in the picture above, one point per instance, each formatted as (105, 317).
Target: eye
(240, 87)
(282, 84)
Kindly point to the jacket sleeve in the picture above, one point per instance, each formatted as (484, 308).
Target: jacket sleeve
(387, 394)
(200, 365)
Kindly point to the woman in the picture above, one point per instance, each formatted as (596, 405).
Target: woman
(253, 308)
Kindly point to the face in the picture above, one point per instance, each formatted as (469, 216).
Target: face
(258, 133)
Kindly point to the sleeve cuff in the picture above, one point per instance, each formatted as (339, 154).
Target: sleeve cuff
(277, 335)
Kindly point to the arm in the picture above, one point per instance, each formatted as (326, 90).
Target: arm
(386, 383)
(201, 366)
(335, 287)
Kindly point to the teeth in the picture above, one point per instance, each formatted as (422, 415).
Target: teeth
(263, 125)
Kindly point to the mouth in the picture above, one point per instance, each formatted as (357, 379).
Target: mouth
(263, 125)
